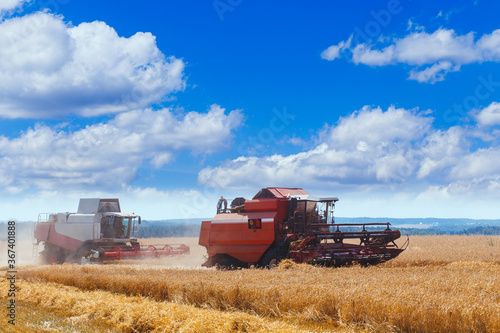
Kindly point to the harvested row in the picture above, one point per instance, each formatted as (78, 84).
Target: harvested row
(139, 314)
(457, 297)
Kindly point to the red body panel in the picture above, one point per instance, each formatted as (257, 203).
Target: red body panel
(204, 233)
(231, 234)
(283, 192)
(261, 205)
(46, 232)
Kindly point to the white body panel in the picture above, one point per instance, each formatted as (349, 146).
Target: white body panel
(61, 217)
(82, 227)
(79, 231)
(84, 218)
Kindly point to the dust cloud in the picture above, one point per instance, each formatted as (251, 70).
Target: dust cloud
(26, 254)
(23, 253)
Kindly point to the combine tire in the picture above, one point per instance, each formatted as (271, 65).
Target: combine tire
(53, 258)
(53, 255)
(273, 263)
(225, 264)
(271, 259)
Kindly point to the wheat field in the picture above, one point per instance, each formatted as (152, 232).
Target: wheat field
(439, 284)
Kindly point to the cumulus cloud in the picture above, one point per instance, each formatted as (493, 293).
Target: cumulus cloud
(49, 69)
(149, 203)
(481, 165)
(489, 116)
(334, 51)
(433, 55)
(376, 149)
(107, 155)
(370, 146)
(7, 6)
(434, 73)
(441, 150)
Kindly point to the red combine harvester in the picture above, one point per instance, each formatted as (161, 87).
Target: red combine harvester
(98, 232)
(281, 223)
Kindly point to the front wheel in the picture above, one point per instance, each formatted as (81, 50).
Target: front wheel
(273, 263)
(53, 256)
(271, 259)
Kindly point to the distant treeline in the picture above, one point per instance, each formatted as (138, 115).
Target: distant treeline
(153, 229)
(479, 230)
(158, 229)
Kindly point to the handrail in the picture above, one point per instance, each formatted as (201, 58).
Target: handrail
(347, 224)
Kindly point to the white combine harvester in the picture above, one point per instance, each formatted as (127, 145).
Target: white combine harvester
(98, 232)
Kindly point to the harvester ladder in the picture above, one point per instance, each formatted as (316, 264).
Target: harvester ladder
(35, 250)
(33, 240)
(42, 217)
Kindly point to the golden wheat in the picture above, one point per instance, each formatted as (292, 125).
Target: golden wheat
(442, 250)
(445, 299)
(440, 284)
(140, 314)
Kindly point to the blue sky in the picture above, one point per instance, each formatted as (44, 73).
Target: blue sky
(391, 105)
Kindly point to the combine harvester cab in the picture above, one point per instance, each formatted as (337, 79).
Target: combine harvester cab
(97, 232)
(281, 223)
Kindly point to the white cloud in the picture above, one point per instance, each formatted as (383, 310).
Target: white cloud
(433, 54)
(489, 116)
(479, 166)
(434, 73)
(7, 6)
(377, 127)
(376, 151)
(107, 155)
(201, 133)
(333, 52)
(149, 203)
(441, 150)
(49, 69)
(489, 45)
(363, 54)
(421, 48)
(370, 147)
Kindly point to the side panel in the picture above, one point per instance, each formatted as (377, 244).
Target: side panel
(42, 231)
(97, 231)
(261, 205)
(77, 231)
(249, 254)
(53, 234)
(205, 233)
(230, 234)
(281, 215)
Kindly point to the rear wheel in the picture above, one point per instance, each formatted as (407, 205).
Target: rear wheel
(225, 264)
(53, 255)
(271, 259)
(52, 260)
(273, 263)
